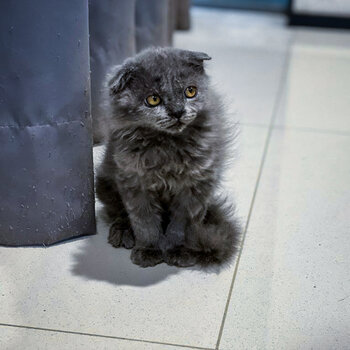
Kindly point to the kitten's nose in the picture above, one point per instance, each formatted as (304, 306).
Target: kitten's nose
(177, 113)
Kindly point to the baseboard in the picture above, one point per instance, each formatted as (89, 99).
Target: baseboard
(302, 19)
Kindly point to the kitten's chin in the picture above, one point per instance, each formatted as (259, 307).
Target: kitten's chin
(177, 128)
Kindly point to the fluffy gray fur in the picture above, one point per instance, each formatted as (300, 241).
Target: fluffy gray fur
(163, 164)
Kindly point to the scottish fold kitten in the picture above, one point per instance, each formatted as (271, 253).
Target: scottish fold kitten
(164, 160)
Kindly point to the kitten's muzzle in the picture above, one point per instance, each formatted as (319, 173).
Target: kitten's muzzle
(177, 114)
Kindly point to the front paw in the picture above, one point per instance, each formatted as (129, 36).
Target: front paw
(171, 239)
(121, 237)
(180, 257)
(146, 257)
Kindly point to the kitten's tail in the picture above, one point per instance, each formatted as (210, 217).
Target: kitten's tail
(217, 238)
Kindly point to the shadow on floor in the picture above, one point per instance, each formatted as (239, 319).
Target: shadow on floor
(100, 261)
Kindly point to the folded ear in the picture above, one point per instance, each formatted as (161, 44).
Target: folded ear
(198, 56)
(195, 59)
(118, 79)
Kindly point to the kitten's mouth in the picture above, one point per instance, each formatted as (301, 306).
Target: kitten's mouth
(178, 126)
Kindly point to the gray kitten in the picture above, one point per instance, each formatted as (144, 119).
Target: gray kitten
(164, 160)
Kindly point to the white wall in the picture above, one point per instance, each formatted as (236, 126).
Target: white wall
(323, 7)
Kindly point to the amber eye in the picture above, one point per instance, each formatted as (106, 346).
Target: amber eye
(191, 91)
(153, 100)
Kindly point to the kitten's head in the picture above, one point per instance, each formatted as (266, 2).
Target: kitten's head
(162, 88)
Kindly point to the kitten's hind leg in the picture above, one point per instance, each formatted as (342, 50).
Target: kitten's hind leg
(181, 257)
(213, 241)
(146, 257)
(107, 192)
(120, 231)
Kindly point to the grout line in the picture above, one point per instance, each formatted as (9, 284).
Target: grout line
(266, 146)
(103, 336)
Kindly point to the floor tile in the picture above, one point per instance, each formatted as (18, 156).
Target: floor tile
(265, 31)
(88, 286)
(246, 74)
(322, 39)
(316, 92)
(292, 287)
(241, 175)
(13, 338)
(249, 82)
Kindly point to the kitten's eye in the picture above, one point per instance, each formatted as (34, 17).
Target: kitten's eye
(191, 91)
(153, 100)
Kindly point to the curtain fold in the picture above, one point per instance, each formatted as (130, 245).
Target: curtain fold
(151, 19)
(112, 39)
(46, 170)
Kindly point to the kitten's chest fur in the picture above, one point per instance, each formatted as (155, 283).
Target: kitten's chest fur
(164, 163)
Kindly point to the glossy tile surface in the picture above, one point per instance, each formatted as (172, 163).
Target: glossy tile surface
(292, 286)
(317, 84)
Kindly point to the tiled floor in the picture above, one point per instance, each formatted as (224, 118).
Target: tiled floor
(290, 288)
